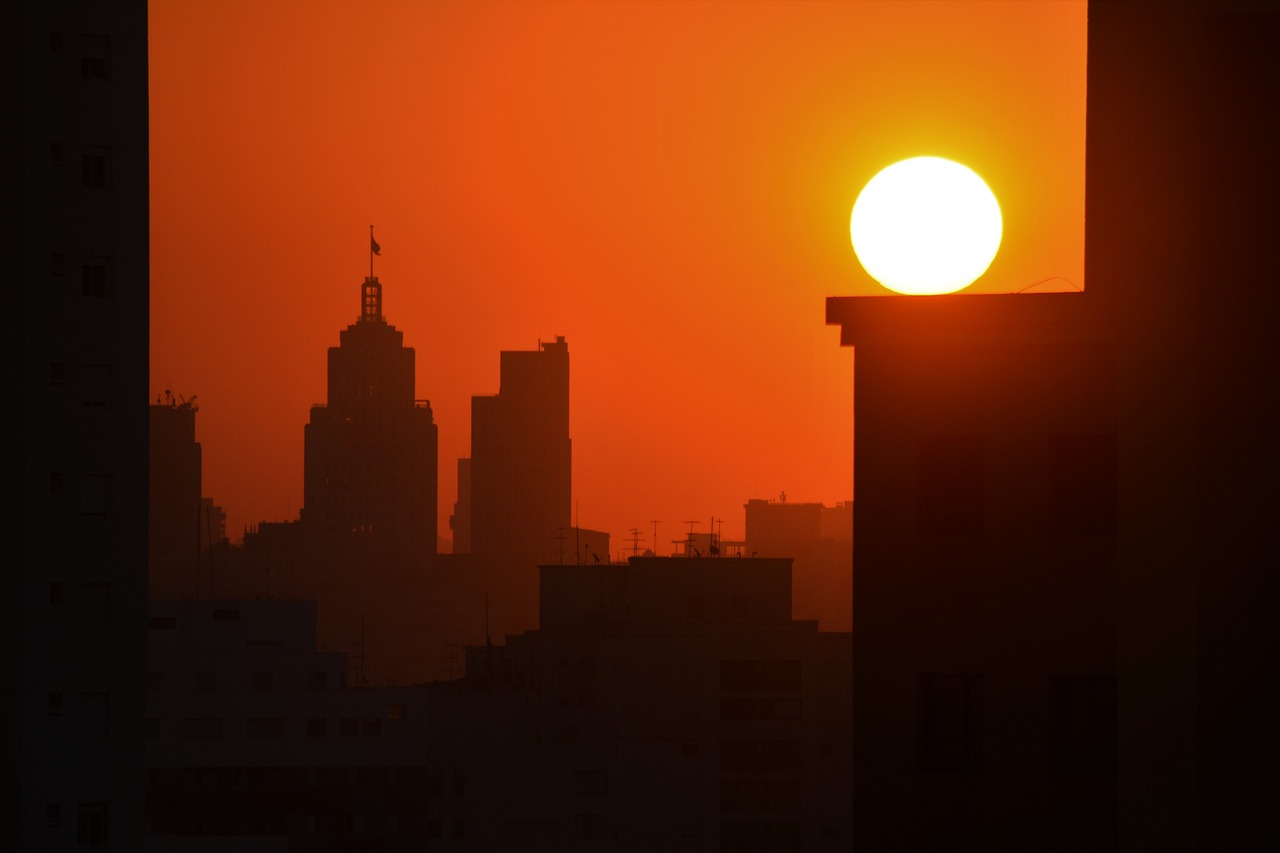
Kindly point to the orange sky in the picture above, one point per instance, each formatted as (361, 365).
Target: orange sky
(668, 185)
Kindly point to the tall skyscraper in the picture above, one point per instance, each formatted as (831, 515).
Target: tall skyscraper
(370, 454)
(74, 257)
(521, 460)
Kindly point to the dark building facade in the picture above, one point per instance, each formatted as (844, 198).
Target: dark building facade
(371, 453)
(74, 257)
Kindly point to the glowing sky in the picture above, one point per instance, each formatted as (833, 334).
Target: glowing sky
(668, 185)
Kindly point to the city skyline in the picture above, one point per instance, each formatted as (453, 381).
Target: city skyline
(517, 197)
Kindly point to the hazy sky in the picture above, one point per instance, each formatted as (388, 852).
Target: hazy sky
(667, 185)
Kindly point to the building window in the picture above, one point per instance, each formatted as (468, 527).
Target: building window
(395, 712)
(316, 727)
(349, 727)
(588, 826)
(91, 825)
(55, 42)
(97, 713)
(56, 153)
(950, 723)
(202, 728)
(317, 681)
(206, 681)
(55, 704)
(57, 373)
(162, 623)
(94, 606)
(95, 168)
(773, 676)
(95, 385)
(57, 484)
(53, 815)
(371, 726)
(55, 593)
(152, 728)
(57, 264)
(95, 277)
(1084, 484)
(95, 494)
(95, 57)
(592, 782)
(1082, 733)
(263, 682)
(949, 485)
(768, 756)
(226, 615)
(154, 681)
(264, 727)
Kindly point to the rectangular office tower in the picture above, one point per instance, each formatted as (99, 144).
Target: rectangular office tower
(521, 461)
(74, 249)
(370, 454)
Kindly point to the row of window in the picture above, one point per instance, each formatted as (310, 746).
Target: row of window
(95, 164)
(95, 53)
(261, 681)
(95, 273)
(274, 728)
(91, 822)
(951, 487)
(93, 381)
(1081, 724)
(94, 492)
(429, 780)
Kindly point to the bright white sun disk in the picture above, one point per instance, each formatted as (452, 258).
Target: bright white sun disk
(926, 226)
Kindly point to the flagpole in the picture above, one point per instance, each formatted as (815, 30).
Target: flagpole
(370, 251)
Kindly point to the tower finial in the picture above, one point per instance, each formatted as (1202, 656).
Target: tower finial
(371, 292)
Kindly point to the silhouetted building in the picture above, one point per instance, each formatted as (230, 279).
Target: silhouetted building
(1064, 501)
(175, 520)
(520, 474)
(687, 710)
(460, 521)
(521, 459)
(370, 453)
(74, 256)
(253, 733)
(820, 541)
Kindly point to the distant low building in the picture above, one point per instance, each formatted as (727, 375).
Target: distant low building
(820, 540)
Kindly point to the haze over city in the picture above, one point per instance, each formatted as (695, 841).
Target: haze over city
(666, 185)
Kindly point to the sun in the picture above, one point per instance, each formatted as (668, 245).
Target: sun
(926, 225)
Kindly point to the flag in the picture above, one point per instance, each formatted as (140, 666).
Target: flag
(373, 245)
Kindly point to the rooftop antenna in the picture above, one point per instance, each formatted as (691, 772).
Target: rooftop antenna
(689, 541)
(713, 549)
(654, 522)
(635, 541)
(560, 542)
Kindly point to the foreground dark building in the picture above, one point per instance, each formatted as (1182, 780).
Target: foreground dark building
(663, 703)
(74, 259)
(1063, 524)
